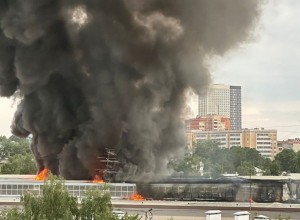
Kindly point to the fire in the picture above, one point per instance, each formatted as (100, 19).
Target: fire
(98, 179)
(137, 197)
(42, 175)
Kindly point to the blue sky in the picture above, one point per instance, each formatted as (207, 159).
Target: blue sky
(267, 67)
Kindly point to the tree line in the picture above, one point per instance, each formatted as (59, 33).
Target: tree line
(244, 161)
(16, 158)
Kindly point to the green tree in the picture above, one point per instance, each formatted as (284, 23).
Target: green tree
(267, 167)
(57, 204)
(297, 162)
(17, 154)
(221, 160)
(213, 157)
(214, 169)
(13, 146)
(253, 156)
(240, 155)
(189, 164)
(206, 148)
(271, 168)
(246, 169)
(287, 160)
(19, 164)
(275, 169)
(96, 205)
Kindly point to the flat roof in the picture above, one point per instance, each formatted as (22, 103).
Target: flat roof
(30, 179)
(293, 177)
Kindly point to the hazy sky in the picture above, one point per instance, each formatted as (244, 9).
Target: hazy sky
(268, 71)
(266, 68)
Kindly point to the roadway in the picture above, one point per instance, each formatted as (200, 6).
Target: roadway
(179, 210)
(187, 214)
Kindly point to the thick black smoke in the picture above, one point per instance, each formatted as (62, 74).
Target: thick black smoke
(106, 73)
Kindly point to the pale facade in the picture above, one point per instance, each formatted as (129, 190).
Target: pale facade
(264, 141)
(190, 139)
(293, 144)
(296, 147)
(222, 100)
(216, 101)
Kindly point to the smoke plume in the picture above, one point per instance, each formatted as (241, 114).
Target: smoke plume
(96, 74)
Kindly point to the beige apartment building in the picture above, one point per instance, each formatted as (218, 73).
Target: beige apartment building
(264, 141)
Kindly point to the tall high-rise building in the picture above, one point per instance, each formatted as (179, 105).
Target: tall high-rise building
(235, 108)
(222, 100)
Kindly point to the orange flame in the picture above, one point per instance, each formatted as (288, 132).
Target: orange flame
(42, 175)
(137, 197)
(98, 179)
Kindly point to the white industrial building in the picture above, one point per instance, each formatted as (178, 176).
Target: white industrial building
(13, 187)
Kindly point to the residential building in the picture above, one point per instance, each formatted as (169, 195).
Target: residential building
(264, 141)
(190, 139)
(293, 144)
(222, 100)
(209, 123)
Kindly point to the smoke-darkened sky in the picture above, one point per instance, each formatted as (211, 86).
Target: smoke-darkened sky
(267, 69)
(104, 74)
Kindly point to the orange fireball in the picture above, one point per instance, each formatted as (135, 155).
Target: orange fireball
(42, 175)
(98, 179)
(137, 197)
